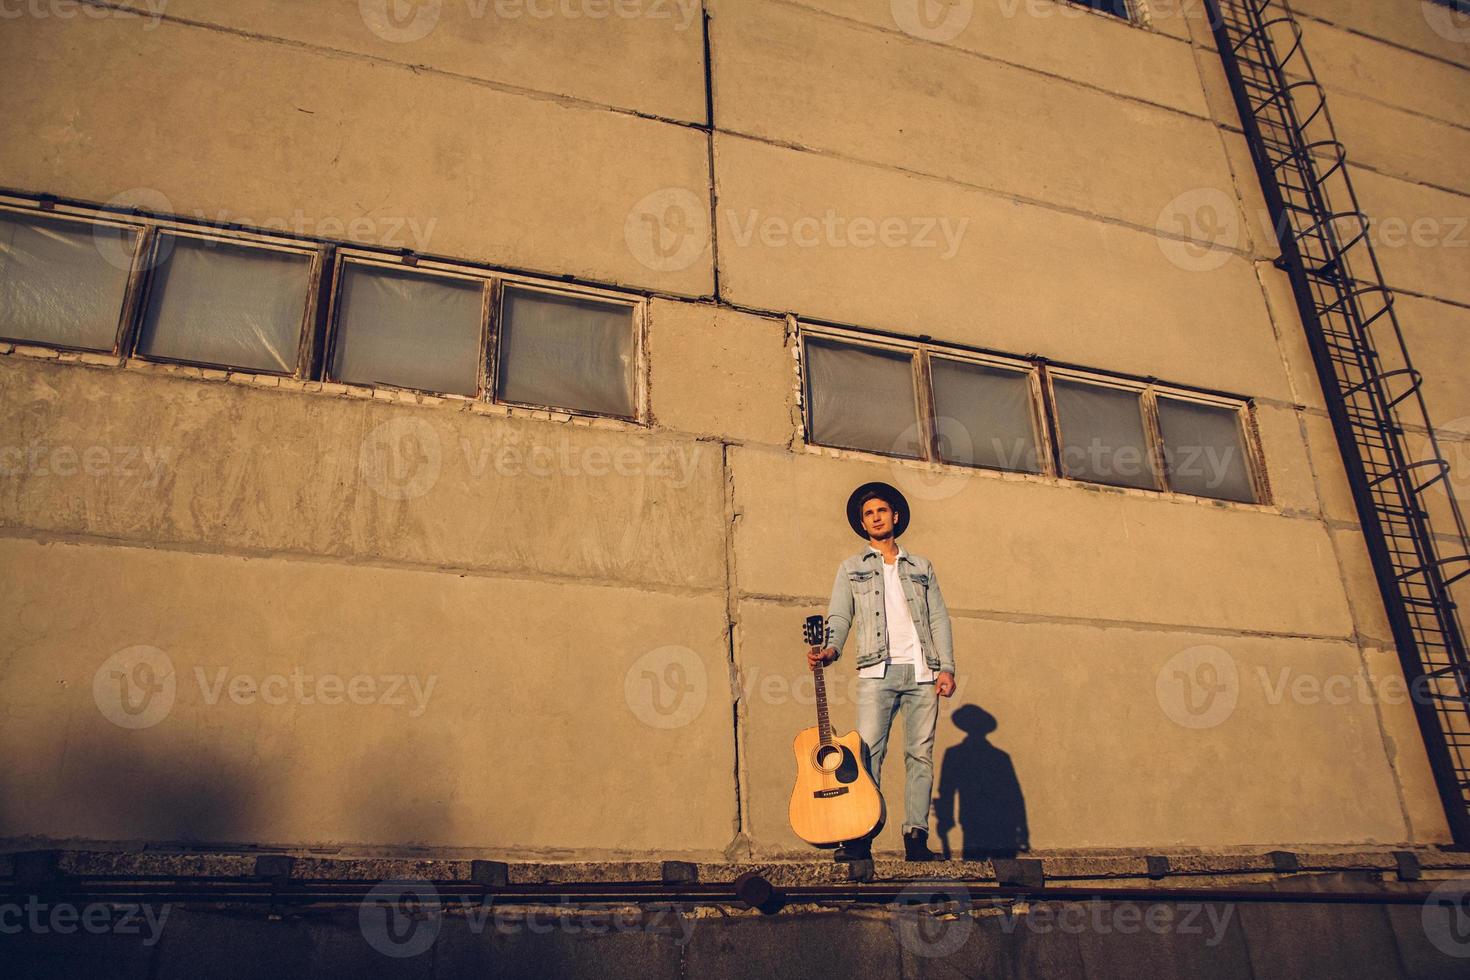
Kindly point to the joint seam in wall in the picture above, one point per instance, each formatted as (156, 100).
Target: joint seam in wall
(1022, 618)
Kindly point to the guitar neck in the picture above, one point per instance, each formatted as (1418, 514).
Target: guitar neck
(824, 724)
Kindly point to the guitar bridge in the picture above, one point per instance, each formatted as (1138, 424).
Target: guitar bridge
(827, 794)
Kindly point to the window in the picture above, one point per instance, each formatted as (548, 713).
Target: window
(169, 290)
(1118, 8)
(227, 303)
(862, 398)
(409, 329)
(984, 415)
(921, 400)
(1204, 449)
(567, 351)
(1139, 435)
(64, 282)
(1100, 435)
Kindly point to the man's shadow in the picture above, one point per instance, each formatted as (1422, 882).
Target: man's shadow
(980, 779)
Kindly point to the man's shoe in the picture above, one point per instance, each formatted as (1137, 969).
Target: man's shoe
(916, 845)
(856, 850)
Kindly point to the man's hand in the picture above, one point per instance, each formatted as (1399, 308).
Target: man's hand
(944, 684)
(824, 657)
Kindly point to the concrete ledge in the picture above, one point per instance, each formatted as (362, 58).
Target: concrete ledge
(1057, 868)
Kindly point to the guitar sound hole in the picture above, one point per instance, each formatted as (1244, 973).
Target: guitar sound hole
(839, 761)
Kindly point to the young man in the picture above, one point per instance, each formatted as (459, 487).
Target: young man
(905, 658)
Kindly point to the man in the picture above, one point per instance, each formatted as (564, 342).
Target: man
(905, 658)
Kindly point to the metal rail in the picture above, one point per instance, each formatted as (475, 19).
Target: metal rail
(1371, 387)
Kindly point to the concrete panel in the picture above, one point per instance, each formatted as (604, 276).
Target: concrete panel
(170, 461)
(1437, 335)
(429, 162)
(1455, 451)
(1013, 545)
(1393, 76)
(1286, 749)
(952, 115)
(1332, 482)
(1413, 24)
(1361, 583)
(1405, 746)
(647, 57)
(231, 945)
(1291, 336)
(1258, 233)
(1215, 84)
(1401, 144)
(967, 266)
(1055, 38)
(1288, 465)
(1347, 940)
(718, 372)
(808, 948)
(1422, 235)
(541, 695)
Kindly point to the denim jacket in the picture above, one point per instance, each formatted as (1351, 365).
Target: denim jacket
(857, 606)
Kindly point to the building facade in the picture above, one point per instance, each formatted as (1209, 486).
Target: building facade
(427, 424)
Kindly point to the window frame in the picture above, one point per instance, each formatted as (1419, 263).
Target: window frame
(1130, 15)
(1149, 391)
(1245, 429)
(920, 353)
(306, 331)
(638, 305)
(1040, 424)
(923, 413)
(1148, 422)
(135, 271)
(1041, 375)
(320, 326)
(434, 269)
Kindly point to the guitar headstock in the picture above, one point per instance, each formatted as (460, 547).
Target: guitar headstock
(815, 631)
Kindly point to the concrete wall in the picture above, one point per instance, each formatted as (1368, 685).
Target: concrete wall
(613, 647)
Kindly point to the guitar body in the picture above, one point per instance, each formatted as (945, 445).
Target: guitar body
(835, 799)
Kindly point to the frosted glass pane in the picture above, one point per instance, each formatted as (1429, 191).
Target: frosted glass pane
(408, 329)
(567, 352)
(1102, 436)
(224, 304)
(57, 286)
(861, 398)
(983, 416)
(1203, 447)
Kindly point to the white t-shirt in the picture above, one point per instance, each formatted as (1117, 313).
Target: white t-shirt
(903, 638)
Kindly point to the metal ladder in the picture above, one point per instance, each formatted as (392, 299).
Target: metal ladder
(1371, 387)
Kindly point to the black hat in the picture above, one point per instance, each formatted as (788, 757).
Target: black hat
(895, 500)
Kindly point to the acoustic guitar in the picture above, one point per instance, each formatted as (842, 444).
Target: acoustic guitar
(835, 800)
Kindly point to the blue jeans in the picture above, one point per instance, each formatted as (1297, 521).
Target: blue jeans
(877, 701)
